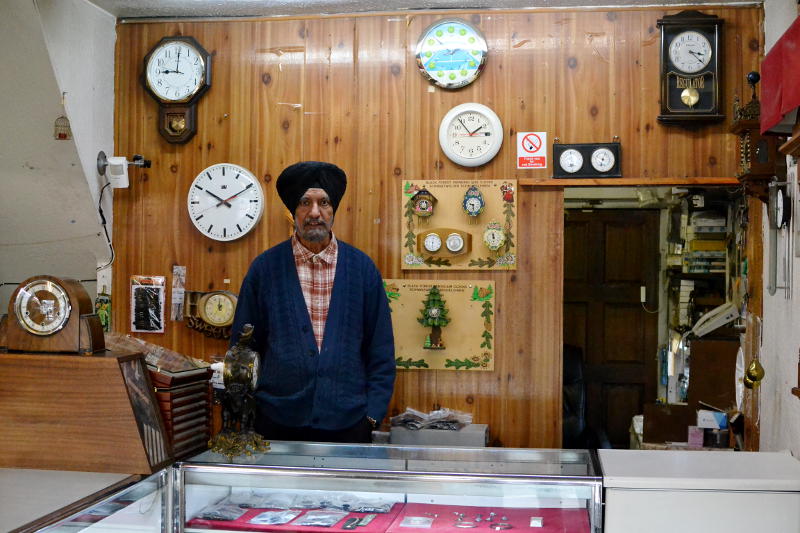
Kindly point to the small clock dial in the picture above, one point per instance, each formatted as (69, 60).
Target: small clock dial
(432, 242)
(175, 71)
(454, 242)
(690, 51)
(473, 206)
(42, 307)
(494, 238)
(571, 160)
(602, 160)
(471, 134)
(451, 53)
(217, 308)
(225, 202)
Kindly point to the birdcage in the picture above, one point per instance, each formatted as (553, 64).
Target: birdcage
(62, 130)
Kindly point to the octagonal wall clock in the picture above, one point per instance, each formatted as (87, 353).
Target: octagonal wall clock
(451, 53)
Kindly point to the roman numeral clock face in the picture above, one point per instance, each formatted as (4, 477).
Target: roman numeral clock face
(225, 202)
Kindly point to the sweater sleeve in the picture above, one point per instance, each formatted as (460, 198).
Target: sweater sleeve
(378, 349)
(248, 309)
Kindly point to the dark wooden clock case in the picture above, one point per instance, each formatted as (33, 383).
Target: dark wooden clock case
(170, 115)
(673, 81)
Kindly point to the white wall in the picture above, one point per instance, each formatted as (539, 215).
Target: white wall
(48, 216)
(780, 410)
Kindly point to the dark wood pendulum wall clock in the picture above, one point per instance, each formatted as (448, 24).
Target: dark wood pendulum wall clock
(691, 65)
(177, 71)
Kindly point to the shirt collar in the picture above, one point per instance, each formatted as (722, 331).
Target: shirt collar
(304, 255)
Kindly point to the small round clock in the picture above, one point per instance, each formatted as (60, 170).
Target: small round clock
(217, 308)
(571, 160)
(690, 51)
(225, 202)
(175, 70)
(42, 306)
(454, 242)
(779, 206)
(470, 134)
(602, 159)
(494, 238)
(451, 53)
(432, 242)
(473, 203)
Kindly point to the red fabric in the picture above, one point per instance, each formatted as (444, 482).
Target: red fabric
(378, 524)
(555, 520)
(780, 78)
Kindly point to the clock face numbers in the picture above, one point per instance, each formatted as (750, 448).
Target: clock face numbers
(494, 238)
(602, 160)
(218, 308)
(690, 52)
(571, 160)
(454, 242)
(433, 242)
(473, 203)
(225, 202)
(470, 134)
(42, 307)
(175, 71)
(451, 53)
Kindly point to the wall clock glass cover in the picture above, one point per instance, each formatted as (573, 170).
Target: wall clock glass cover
(602, 159)
(217, 308)
(42, 307)
(470, 134)
(571, 160)
(690, 51)
(175, 71)
(225, 202)
(433, 242)
(451, 53)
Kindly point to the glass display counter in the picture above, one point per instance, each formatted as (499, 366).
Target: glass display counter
(307, 487)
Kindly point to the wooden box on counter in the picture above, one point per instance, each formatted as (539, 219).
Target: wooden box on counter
(94, 413)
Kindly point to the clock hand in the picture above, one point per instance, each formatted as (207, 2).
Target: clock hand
(178, 62)
(698, 55)
(221, 201)
(465, 126)
(235, 195)
(476, 129)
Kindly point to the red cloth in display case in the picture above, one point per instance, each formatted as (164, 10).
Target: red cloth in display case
(780, 80)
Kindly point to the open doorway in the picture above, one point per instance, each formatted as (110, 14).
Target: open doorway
(611, 305)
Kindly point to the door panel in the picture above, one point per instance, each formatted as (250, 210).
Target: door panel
(608, 256)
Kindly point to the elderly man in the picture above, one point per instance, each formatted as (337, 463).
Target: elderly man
(322, 325)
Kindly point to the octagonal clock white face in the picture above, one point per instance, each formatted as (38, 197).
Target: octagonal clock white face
(175, 71)
(470, 134)
(225, 202)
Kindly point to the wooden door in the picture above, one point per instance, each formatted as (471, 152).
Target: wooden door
(608, 256)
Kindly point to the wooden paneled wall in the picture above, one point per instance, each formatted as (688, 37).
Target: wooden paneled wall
(346, 90)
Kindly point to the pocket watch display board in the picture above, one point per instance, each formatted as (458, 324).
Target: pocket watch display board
(442, 324)
(86, 413)
(459, 225)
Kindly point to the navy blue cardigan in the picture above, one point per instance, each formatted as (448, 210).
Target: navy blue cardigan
(352, 376)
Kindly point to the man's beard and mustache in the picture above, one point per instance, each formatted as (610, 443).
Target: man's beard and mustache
(313, 229)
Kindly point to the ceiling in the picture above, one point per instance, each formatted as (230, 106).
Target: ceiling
(247, 8)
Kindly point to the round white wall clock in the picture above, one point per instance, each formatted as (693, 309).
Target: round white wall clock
(225, 202)
(470, 134)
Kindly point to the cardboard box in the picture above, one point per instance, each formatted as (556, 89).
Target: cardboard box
(476, 435)
(711, 419)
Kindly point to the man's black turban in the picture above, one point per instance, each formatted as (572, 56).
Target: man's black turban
(296, 179)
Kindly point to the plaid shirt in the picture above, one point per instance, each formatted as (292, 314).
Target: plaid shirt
(316, 273)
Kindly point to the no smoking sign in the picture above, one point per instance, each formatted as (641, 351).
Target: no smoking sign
(532, 149)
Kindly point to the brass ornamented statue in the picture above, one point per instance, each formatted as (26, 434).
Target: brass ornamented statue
(240, 375)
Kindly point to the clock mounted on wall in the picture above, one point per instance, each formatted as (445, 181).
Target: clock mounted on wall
(451, 53)
(177, 71)
(691, 68)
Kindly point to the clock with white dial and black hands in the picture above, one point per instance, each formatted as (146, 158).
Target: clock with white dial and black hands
(470, 134)
(225, 202)
(177, 71)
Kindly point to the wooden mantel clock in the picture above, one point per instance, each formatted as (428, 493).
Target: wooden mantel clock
(177, 71)
(49, 314)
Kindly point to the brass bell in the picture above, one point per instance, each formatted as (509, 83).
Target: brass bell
(755, 371)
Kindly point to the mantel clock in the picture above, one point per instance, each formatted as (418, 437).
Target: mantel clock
(691, 66)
